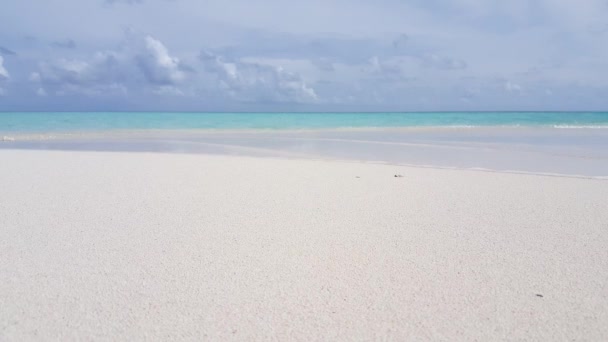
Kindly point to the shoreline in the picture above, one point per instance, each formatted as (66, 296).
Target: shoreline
(550, 151)
(34, 135)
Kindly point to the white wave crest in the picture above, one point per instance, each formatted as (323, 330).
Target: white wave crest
(581, 126)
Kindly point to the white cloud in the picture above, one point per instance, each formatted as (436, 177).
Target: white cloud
(512, 87)
(101, 74)
(384, 70)
(3, 76)
(249, 81)
(144, 64)
(3, 72)
(157, 65)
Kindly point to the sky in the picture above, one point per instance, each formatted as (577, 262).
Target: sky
(314, 55)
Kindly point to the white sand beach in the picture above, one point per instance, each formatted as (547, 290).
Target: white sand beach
(153, 246)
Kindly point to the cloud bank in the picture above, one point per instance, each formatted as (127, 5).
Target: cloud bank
(316, 55)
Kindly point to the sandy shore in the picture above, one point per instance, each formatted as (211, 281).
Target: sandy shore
(144, 246)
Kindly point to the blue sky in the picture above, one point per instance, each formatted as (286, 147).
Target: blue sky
(248, 55)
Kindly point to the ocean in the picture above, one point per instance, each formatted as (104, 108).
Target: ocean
(560, 143)
(67, 122)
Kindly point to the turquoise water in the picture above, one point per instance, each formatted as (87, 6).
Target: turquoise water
(59, 122)
(511, 142)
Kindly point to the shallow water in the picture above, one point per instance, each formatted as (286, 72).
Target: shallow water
(574, 152)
